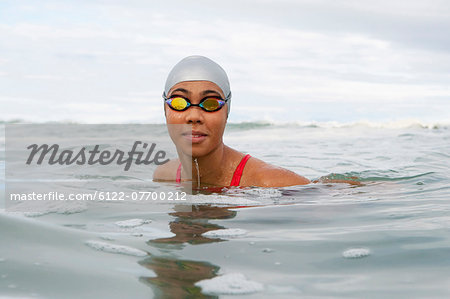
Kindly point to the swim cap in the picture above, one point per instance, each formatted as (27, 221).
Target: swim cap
(199, 68)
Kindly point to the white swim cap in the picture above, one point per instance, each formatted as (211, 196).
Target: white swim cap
(199, 68)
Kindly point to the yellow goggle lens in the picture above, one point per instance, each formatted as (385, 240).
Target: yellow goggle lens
(179, 103)
(211, 104)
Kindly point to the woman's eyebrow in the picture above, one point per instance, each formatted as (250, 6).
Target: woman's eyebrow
(180, 89)
(209, 91)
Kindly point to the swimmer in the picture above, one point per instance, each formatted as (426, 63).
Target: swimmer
(197, 93)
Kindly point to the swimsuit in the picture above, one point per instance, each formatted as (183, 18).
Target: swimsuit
(236, 176)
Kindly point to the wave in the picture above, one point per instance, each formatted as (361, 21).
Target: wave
(398, 124)
(371, 176)
(248, 125)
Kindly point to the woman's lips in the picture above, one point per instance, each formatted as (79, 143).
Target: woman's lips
(195, 136)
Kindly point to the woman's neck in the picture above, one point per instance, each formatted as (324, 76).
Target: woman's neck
(209, 169)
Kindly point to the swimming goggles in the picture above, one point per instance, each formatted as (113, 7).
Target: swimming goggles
(208, 104)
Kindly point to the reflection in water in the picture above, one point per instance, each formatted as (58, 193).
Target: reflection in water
(176, 278)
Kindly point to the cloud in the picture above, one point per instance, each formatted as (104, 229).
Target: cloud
(42, 77)
(107, 54)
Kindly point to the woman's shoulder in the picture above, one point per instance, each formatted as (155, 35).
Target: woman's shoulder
(260, 173)
(166, 171)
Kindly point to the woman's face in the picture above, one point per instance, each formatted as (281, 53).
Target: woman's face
(205, 129)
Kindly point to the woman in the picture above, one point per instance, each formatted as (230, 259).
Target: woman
(197, 94)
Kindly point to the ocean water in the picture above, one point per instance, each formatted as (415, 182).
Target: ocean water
(387, 237)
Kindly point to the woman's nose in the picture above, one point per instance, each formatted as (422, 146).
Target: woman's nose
(194, 115)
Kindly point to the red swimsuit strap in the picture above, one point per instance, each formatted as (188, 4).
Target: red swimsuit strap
(238, 172)
(236, 176)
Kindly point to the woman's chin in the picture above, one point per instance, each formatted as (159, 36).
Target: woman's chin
(198, 152)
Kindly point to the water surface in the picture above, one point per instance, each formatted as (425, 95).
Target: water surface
(388, 237)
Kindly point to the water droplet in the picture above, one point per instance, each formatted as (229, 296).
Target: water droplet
(268, 250)
(354, 253)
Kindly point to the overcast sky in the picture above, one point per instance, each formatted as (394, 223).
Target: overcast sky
(105, 61)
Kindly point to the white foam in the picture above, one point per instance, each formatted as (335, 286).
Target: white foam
(110, 232)
(356, 253)
(132, 222)
(107, 238)
(396, 124)
(113, 248)
(221, 199)
(229, 284)
(261, 192)
(225, 233)
(36, 209)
